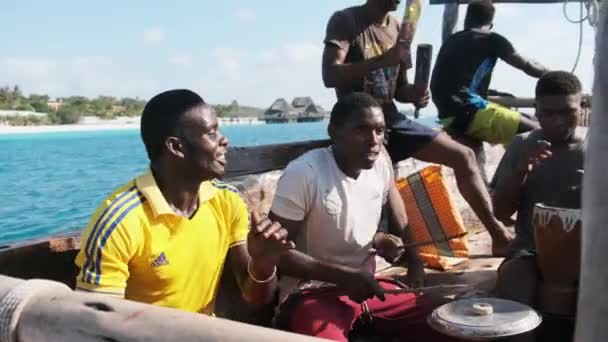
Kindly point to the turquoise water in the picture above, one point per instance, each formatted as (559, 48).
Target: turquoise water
(51, 183)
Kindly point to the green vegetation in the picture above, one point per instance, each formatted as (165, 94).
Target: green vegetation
(236, 110)
(69, 110)
(27, 120)
(65, 110)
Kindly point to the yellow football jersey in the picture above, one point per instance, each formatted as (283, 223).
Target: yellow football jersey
(136, 247)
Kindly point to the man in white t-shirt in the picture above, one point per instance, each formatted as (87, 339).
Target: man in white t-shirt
(330, 200)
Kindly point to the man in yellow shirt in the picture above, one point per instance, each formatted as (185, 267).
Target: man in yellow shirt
(164, 237)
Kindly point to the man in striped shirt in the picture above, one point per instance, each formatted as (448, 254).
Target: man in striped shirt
(165, 237)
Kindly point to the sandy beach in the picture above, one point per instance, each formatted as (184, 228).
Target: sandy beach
(104, 125)
(4, 130)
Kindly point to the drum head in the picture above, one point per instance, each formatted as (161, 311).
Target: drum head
(479, 319)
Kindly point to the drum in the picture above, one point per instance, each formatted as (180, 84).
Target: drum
(483, 319)
(557, 232)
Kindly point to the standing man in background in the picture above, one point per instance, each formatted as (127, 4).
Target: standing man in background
(362, 54)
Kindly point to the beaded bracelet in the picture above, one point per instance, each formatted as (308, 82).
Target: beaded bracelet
(274, 272)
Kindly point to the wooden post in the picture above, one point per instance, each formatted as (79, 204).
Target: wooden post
(450, 18)
(49, 311)
(593, 302)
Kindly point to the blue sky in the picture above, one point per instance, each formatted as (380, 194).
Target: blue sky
(252, 51)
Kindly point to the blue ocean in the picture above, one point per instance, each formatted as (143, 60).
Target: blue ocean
(51, 182)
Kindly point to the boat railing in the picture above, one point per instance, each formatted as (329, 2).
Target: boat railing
(42, 310)
(529, 102)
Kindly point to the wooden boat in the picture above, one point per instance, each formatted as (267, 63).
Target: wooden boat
(254, 171)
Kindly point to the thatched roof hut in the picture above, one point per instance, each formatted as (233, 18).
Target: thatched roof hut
(312, 109)
(302, 102)
(279, 106)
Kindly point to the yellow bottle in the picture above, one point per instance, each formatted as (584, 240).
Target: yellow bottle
(413, 9)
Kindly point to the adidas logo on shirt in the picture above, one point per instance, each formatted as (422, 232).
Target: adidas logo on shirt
(160, 260)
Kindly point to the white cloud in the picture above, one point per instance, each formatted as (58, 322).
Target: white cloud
(82, 75)
(228, 60)
(269, 56)
(245, 14)
(181, 60)
(260, 74)
(286, 70)
(299, 53)
(154, 35)
(26, 67)
(554, 45)
(304, 53)
(508, 11)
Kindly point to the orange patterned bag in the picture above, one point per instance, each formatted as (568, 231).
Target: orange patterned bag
(434, 220)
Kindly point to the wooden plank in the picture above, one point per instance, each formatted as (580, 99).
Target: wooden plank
(52, 259)
(528, 102)
(585, 119)
(252, 160)
(49, 311)
(521, 102)
(513, 102)
(450, 19)
(530, 2)
(592, 300)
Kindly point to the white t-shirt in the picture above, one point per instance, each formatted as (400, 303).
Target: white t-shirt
(341, 214)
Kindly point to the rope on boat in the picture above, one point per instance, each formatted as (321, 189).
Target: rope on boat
(13, 303)
(591, 17)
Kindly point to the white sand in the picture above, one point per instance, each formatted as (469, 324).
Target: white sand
(65, 128)
(104, 125)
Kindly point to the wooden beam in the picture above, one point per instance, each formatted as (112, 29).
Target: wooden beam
(443, 2)
(513, 102)
(450, 18)
(48, 258)
(592, 301)
(252, 160)
(38, 310)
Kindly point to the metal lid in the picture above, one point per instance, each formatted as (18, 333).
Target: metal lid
(479, 319)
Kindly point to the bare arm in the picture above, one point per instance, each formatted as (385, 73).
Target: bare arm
(339, 74)
(405, 92)
(300, 265)
(254, 263)
(529, 66)
(506, 197)
(359, 284)
(253, 292)
(508, 191)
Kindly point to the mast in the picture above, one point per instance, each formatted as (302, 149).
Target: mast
(593, 301)
(450, 18)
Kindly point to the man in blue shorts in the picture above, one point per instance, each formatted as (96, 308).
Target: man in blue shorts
(462, 75)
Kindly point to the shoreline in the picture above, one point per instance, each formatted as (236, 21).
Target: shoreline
(9, 130)
(111, 125)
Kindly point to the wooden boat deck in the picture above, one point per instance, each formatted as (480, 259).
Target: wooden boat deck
(478, 273)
